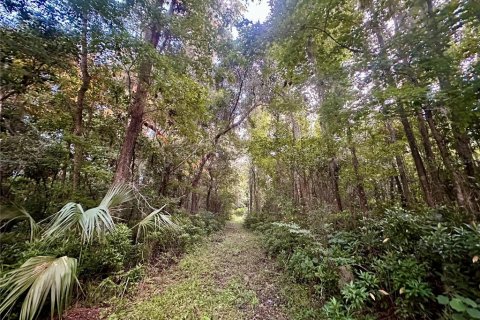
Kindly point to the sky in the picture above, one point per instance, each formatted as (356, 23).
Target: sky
(257, 10)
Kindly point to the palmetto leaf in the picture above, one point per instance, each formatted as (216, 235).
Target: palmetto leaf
(63, 221)
(117, 195)
(39, 277)
(154, 221)
(11, 214)
(95, 221)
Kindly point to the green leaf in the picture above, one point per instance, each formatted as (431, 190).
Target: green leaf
(442, 299)
(470, 302)
(474, 313)
(457, 305)
(96, 221)
(154, 221)
(457, 316)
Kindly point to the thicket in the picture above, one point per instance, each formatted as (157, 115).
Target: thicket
(42, 262)
(394, 264)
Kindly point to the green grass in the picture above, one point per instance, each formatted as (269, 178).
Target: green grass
(195, 299)
(227, 277)
(299, 302)
(202, 290)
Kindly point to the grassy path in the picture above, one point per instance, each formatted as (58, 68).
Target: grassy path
(227, 277)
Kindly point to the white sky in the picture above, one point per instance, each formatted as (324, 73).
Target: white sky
(257, 10)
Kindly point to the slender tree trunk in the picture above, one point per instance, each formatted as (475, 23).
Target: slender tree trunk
(256, 198)
(406, 194)
(250, 191)
(464, 198)
(362, 197)
(422, 173)
(209, 193)
(80, 105)
(162, 190)
(462, 142)
(195, 182)
(334, 175)
(436, 185)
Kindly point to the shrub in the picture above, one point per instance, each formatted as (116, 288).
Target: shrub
(392, 262)
(285, 237)
(107, 256)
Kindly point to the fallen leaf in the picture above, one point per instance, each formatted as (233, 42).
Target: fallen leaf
(386, 240)
(475, 259)
(385, 293)
(372, 296)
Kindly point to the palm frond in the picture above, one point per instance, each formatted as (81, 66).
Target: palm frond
(11, 214)
(154, 221)
(93, 222)
(96, 221)
(63, 221)
(38, 277)
(118, 194)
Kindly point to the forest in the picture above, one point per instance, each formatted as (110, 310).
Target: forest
(178, 159)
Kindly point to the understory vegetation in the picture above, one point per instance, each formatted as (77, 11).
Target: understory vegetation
(393, 264)
(106, 259)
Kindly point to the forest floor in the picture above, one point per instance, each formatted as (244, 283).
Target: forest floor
(227, 276)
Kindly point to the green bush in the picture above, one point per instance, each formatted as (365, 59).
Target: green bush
(396, 261)
(101, 258)
(283, 238)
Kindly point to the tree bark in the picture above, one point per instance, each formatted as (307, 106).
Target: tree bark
(464, 198)
(406, 194)
(362, 197)
(80, 105)
(461, 141)
(334, 175)
(193, 203)
(136, 109)
(421, 172)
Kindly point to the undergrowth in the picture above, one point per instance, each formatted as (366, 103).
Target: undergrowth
(396, 264)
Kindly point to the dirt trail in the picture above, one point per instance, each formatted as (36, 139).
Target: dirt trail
(227, 277)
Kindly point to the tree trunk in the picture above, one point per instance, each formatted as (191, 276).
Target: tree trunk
(464, 198)
(334, 175)
(362, 197)
(80, 105)
(209, 193)
(461, 143)
(422, 173)
(436, 185)
(195, 182)
(162, 190)
(136, 110)
(406, 194)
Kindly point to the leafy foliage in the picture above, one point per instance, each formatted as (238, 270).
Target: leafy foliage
(39, 277)
(93, 222)
(387, 263)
